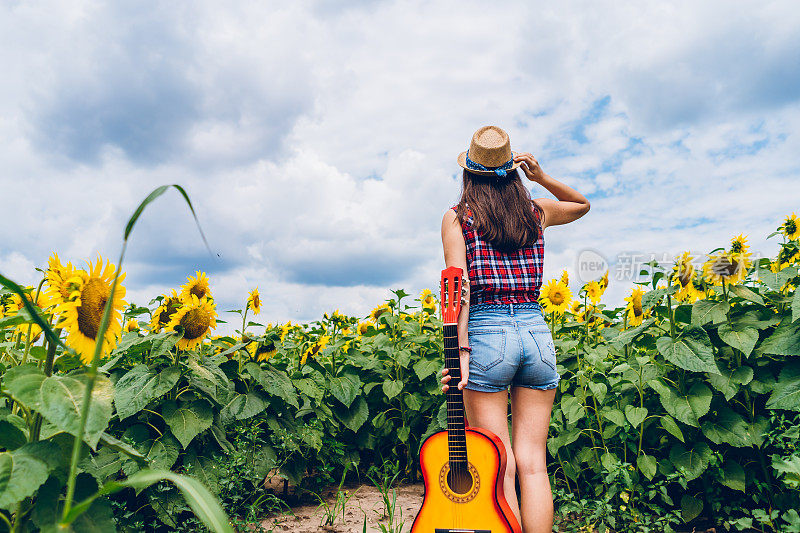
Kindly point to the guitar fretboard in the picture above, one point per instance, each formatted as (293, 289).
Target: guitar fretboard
(456, 431)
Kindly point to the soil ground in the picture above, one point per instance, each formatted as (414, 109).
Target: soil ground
(365, 501)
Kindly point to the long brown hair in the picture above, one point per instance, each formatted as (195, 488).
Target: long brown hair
(502, 210)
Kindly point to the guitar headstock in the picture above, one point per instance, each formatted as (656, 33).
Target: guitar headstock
(453, 291)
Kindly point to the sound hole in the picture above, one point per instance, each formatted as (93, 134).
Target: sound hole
(459, 479)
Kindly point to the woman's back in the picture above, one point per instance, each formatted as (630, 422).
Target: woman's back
(500, 277)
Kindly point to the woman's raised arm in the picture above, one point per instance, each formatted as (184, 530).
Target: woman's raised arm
(571, 205)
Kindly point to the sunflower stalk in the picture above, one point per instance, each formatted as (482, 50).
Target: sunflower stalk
(91, 376)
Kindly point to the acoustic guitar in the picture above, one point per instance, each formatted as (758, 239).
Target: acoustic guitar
(463, 468)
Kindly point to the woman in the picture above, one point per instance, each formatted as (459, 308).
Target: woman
(495, 234)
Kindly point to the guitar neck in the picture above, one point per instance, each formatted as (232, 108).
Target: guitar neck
(456, 431)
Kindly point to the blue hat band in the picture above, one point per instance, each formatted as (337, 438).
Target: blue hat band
(500, 171)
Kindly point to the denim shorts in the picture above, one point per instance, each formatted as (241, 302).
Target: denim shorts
(511, 345)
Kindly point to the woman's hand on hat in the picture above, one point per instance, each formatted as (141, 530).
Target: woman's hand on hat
(530, 166)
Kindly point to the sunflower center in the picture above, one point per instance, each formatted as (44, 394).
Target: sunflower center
(93, 299)
(726, 266)
(557, 297)
(736, 247)
(637, 307)
(198, 291)
(791, 226)
(173, 304)
(256, 301)
(195, 323)
(685, 275)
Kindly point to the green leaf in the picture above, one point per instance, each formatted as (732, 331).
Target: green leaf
(134, 390)
(62, 399)
(796, 306)
(743, 339)
(691, 507)
(669, 424)
(635, 415)
(210, 380)
(694, 460)
(776, 280)
(345, 388)
(206, 470)
(20, 475)
(728, 382)
(628, 335)
(24, 382)
(426, 367)
(705, 311)
(726, 426)
(785, 340)
(187, 420)
(205, 506)
(163, 451)
(119, 446)
(786, 394)
(599, 390)
(614, 415)
(392, 388)
(686, 408)
(690, 351)
(11, 436)
(733, 475)
(573, 409)
(356, 415)
(275, 383)
(102, 465)
(647, 465)
(743, 292)
(243, 406)
(788, 468)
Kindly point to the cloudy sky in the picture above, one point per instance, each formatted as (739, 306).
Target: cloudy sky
(317, 139)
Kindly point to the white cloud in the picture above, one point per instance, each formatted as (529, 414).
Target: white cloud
(318, 141)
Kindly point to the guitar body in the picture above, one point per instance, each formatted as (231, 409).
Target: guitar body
(478, 504)
(463, 467)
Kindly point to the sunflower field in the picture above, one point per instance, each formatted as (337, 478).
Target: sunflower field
(681, 408)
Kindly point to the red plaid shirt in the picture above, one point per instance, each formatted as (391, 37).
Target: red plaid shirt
(496, 277)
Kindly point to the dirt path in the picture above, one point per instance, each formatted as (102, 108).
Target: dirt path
(365, 501)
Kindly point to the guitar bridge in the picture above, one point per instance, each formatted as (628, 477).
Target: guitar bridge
(461, 530)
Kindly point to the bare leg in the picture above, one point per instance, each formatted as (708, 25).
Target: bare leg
(489, 410)
(530, 421)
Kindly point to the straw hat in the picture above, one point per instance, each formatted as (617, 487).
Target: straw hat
(489, 153)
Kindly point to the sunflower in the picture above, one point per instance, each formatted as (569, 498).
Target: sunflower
(16, 304)
(555, 297)
(131, 325)
(58, 289)
(604, 281)
(82, 312)
(254, 301)
(565, 277)
(594, 291)
(378, 311)
(634, 307)
(725, 267)
(428, 301)
(197, 285)
(163, 314)
(363, 327)
(683, 270)
(285, 329)
(576, 307)
(791, 227)
(197, 317)
(315, 348)
(261, 351)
